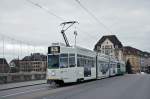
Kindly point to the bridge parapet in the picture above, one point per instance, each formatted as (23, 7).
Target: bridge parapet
(21, 76)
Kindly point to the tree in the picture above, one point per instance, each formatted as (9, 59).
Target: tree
(128, 67)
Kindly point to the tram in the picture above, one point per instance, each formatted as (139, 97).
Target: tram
(67, 64)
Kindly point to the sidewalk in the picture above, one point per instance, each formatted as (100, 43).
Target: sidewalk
(21, 84)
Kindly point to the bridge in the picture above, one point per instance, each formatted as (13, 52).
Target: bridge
(135, 86)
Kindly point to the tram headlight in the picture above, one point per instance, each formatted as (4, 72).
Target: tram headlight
(53, 73)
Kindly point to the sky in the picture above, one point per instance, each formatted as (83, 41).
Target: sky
(21, 21)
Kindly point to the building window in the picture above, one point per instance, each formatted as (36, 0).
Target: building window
(107, 52)
(103, 52)
(111, 51)
(116, 46)
(100, 51)
(110, 46)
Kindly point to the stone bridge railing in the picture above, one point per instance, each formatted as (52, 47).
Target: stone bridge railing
(21, 76)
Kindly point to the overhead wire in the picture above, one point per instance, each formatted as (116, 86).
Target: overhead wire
(62, 19)
(45, 9)
(93, 16)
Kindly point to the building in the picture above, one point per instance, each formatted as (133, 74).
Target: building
(133, 55)
(4, 67)
(14, 66)
(110, 45)
(147, 65)
(145, 62)
(35, 63)
(33, 66)
(139, 60)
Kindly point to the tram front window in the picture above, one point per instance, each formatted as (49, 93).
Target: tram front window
(53, 61)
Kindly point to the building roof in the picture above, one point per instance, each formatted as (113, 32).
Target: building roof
(35, 57)
(15, 62)
(3, 61)
(146, 54)
(128, 50)
(112, 38)
(131, 50)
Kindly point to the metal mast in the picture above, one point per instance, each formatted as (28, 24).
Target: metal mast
(65, 28)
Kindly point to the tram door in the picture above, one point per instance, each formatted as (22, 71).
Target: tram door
(87, 68)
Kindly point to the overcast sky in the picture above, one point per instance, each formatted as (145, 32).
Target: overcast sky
(128, 19)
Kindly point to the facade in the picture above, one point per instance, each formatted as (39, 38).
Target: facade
(145, 62)
(33, 66)
(110, 45)
(4, 67)
(34, 63)
(134, 57)
(147, 65)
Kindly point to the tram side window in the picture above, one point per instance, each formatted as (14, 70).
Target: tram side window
(85, 61)
(106, 66)
(118, 65)
(99, 65)
(80, 61)
(63, 60)
(93, 62)
(71, 60)
(110, 65)
(103, 68)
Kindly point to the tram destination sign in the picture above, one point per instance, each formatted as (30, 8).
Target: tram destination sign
(53, 50)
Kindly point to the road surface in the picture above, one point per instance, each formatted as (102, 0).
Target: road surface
(120, 87)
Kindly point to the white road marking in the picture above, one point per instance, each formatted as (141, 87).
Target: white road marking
(21, 92)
